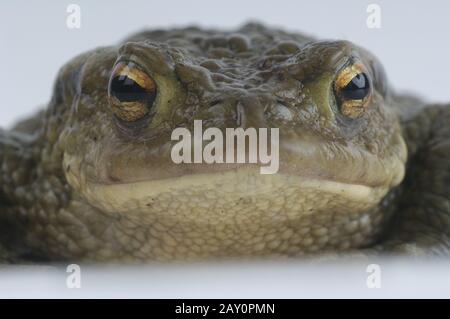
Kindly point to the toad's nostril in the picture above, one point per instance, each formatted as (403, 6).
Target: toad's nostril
(250, 113)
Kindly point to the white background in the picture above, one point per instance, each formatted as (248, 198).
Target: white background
(399, 278)
(413, 44)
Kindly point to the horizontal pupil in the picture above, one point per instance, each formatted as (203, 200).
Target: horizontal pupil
(357, 88)
(127, 90)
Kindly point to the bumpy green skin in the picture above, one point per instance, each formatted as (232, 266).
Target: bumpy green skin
(422, 222)
(252, 77)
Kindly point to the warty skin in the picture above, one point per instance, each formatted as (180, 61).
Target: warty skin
(91, 178)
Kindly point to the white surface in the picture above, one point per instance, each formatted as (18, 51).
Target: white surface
(35, 42)
(399, 279)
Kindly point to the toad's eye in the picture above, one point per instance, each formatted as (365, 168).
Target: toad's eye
(353, 90)
(131, 92)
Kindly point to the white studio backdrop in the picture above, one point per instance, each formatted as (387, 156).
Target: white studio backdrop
(395, 278)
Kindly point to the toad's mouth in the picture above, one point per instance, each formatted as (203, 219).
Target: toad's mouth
(307, 181)
(214, 192)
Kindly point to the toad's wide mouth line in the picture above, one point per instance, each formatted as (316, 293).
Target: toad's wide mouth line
(235, 183)
(179, 181)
